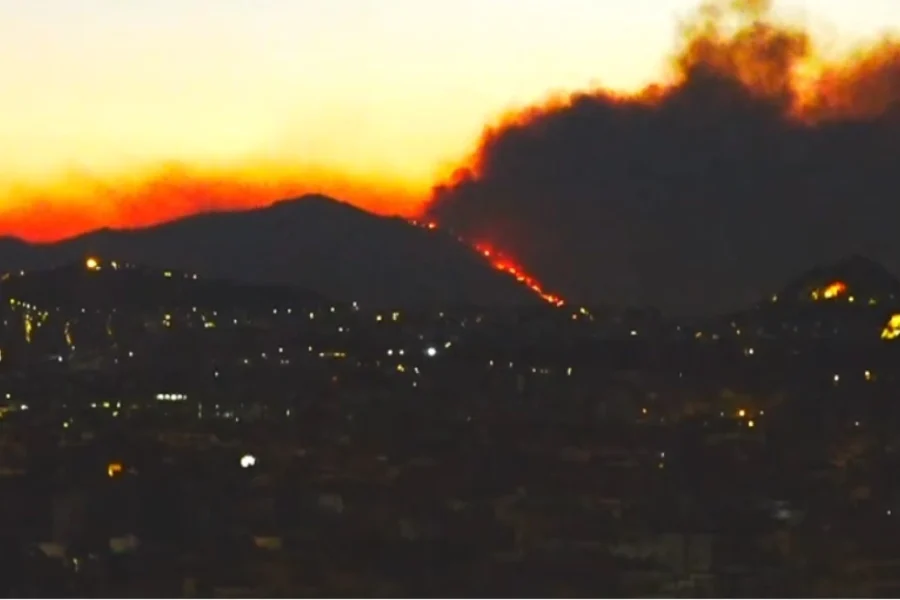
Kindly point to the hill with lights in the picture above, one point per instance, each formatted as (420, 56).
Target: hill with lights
(855, 298)
(855, 280)
(314, 243)
(96, 283)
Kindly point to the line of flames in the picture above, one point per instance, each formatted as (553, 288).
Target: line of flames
(502, 263)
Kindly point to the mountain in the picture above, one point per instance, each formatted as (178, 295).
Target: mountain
(856, 279)
(851, 300)
(313, 242)
(92, 284)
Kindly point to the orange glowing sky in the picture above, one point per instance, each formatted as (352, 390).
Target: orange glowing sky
(126, 113)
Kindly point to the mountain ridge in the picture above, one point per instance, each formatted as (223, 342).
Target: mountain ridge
(861, 275)
(314, 242)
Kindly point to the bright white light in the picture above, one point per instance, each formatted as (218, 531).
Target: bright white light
(247, 461)
(431, 351)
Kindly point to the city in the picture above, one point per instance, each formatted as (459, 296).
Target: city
(554, 299)
(164, 434)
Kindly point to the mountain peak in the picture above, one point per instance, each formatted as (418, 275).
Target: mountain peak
(313, 242)
(319, 202)
(860, 276)
(858, 262)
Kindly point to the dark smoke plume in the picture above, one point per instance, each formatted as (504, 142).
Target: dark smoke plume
(758, 160)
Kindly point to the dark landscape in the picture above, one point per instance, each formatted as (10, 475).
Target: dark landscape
(313, 242)
(629, 344)
(170, 433)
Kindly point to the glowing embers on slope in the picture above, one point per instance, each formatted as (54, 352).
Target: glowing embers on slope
(830, 291)
(504, 264)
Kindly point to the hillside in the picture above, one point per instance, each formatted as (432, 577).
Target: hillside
(855, 279)
(110, 285)
(313, 242)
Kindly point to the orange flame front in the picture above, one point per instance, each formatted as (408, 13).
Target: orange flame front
(502, 263)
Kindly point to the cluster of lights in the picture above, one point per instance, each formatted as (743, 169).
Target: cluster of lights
(867, 375)
(171, 397)
(891, 329)
(742, 414)
(18, 303)
(504, 264)
(834, 291)
(430, 351)
(830, 291)
(32, 317)
(839, 289)
(395, 316)
(94, 264)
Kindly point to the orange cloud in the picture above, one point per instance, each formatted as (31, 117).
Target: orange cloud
(79, 201)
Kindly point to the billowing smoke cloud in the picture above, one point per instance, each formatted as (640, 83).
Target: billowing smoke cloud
(758, 160)
(82, 201)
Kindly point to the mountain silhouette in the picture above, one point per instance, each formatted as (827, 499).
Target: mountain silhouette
(865, 280)
(313, 242)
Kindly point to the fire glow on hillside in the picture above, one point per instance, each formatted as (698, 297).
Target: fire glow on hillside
(655, 196)
(501, 263)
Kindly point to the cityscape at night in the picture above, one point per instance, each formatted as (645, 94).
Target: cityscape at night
(419, 299)
(166, 434)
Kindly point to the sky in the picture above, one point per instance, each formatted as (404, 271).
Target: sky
(125, 113)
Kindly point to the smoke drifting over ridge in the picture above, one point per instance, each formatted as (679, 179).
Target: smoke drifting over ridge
(758, 160)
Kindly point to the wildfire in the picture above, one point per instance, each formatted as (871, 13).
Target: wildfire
(831, 291)
(891, 330)
(504, 264)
